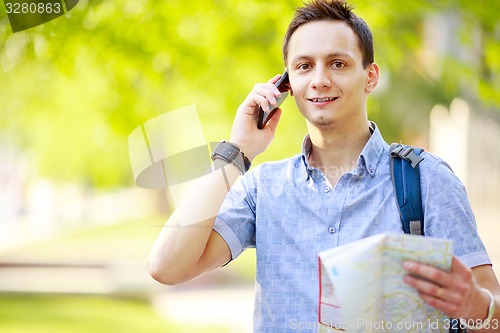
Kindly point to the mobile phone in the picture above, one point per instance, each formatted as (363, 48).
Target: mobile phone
(283, 85)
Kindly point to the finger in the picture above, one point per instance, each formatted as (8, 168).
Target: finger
(269, 92)
(439, 297)
(425, 286)
(447, 307)
(428, 272)
(274, 79)
(272, 85)
(253, 102)
(436, 291)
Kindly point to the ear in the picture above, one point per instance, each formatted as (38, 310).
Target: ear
(372, 77)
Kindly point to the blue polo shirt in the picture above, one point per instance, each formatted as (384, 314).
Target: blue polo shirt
(289, 212)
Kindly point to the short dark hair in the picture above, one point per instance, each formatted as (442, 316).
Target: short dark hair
(332, 10)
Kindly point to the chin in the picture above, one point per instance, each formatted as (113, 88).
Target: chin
(322, 122)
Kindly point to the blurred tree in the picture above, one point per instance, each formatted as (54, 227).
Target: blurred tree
(73, 89)
(431, 52)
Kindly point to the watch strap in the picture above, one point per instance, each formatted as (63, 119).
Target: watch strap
(231, 153)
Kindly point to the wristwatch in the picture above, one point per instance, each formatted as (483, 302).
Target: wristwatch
(480, 324)
(231, 153)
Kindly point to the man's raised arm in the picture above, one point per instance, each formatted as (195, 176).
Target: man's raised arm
(187, 245)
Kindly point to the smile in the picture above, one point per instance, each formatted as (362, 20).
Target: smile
(322, 100)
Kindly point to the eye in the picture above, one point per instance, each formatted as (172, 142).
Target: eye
(303, 66)
(338, 64)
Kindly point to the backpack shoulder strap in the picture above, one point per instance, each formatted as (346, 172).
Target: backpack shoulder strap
(405, 175)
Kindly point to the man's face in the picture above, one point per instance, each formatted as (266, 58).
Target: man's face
(326, 73)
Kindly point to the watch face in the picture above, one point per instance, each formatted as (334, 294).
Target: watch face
(230, 153)
(234, 154)
(226, 151)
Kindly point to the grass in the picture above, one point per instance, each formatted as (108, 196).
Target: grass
(49, 313)
(53, 313)
(85, 314)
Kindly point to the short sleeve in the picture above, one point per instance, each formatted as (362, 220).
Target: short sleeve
(235, 222)
(447, 211)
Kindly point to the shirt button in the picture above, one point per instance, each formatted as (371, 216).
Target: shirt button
(331, 229)
(327, 189)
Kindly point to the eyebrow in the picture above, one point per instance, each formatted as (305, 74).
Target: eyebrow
(329, 56)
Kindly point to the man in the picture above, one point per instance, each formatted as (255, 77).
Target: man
(336, 191)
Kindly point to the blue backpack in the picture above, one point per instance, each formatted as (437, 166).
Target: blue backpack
(405, 175)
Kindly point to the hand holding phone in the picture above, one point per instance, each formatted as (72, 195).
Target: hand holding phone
(283, 85)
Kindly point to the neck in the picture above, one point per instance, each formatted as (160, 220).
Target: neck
(338, 148)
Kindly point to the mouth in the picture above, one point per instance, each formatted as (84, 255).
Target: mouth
(322, 99)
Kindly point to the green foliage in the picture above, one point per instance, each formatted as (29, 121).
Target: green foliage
(74, 88)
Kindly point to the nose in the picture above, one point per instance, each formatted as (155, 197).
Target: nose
(320, 78)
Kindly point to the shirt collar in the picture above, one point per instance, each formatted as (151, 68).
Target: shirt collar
(372, 152)
(368, 159)
(306, 151)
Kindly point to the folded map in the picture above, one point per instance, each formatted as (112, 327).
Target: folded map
(362, 288)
